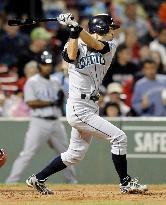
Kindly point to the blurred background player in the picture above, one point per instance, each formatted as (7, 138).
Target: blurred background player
(44, 97)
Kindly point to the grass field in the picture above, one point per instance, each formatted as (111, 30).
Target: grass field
(80, 195)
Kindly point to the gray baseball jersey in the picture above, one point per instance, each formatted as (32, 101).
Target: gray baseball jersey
(39, 88)
(87, 73)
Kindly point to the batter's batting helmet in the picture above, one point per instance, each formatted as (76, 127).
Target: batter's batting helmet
(101, 24)
(46, 58)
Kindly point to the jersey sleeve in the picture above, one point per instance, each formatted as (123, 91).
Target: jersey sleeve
(29, 93)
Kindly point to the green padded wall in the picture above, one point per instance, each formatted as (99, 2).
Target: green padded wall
(146, 152)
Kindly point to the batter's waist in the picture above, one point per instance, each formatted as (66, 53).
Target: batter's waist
(84, 96)
(90, 97)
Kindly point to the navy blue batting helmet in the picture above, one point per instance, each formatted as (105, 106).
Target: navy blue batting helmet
(101, 24)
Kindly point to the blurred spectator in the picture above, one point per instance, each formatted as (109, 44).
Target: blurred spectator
(14, 106)
(128, 91)
(74, 3)
(98, 7)
(12, 43)
(151, 6)
(159, 44)
(59, 5)
(144, 52)
(131, 41)
(52, 9)
(132, 19)
(30, 69)
(115, 8)
(40, 38)
(8, 80)
(115, 94)
(112, 109)
(147, 100)
(81, 5)
(121, 69)
(2, 100)
(26, 7)
(84, 23)
(155, 55)
(162, 12)
(20, 109)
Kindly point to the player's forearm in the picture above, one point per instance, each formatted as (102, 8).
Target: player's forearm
(39, 104)
(72, 49)
(91, 41)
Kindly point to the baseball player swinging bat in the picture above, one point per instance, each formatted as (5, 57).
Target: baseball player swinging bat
(89, 55)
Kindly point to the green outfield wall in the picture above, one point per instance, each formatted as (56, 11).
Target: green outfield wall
(146, 152)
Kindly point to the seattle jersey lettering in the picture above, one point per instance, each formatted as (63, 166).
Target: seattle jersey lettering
(90, 60)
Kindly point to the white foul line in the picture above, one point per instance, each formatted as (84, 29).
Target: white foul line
(149, 156)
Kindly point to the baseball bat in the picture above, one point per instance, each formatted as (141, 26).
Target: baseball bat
(24, 22)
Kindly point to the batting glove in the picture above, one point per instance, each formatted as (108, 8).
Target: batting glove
(67, 20)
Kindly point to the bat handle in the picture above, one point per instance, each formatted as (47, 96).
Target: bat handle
(22, 22)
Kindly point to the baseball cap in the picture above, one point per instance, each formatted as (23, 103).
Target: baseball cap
(40, 33)
(114, 88)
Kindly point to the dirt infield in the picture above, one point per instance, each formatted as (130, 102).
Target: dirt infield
(80, 194)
